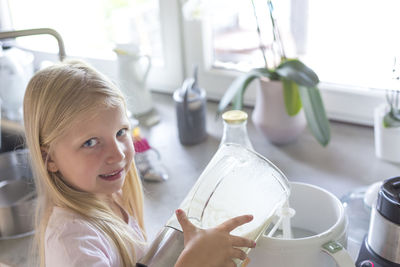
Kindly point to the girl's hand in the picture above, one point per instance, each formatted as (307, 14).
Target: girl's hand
(212, 247)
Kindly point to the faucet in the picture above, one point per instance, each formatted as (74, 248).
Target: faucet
(39, 31)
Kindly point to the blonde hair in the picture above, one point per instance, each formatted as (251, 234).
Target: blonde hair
(53, 99)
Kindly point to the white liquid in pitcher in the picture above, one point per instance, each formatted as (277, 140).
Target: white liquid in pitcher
(223, 205)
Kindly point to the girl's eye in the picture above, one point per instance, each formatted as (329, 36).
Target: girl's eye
(122, 132)
(90, 143)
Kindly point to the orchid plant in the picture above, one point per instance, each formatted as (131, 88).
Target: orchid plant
(299, 84)
(392, 118)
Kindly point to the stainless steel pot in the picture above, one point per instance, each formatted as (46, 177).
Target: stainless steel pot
(381, 247)
(17, 195)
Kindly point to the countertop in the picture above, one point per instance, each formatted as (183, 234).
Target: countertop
(347, 163)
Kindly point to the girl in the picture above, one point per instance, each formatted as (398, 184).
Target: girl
(90, 200)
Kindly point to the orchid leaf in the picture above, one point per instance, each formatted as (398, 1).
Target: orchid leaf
(294, 70)
(315, 114)
(237, 88)
(272, 75)
(237, 102)
(292, 97)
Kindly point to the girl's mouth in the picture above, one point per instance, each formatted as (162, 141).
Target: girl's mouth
(112, 176)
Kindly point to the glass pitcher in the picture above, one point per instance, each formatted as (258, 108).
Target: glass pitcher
(236, 181)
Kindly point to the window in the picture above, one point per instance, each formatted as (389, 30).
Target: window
(91, 28)
(351, 45)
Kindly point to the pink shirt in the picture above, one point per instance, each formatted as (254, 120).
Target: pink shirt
(71, 241)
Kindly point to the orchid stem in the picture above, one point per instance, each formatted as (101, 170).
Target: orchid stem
(275, 30)
(259, 34)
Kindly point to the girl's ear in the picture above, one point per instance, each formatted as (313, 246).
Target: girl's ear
(50, 164)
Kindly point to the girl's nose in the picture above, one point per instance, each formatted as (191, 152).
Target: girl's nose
(116, 152)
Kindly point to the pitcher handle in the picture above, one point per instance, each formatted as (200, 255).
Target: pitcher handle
(338, 253)
(147, 69)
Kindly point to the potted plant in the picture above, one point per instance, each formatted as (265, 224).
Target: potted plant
(298, 87)
(391, 119)
(387, 127)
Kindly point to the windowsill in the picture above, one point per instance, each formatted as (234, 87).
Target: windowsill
(342, 103)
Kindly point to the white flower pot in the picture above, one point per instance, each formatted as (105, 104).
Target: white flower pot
(270, 116)
(387, 140)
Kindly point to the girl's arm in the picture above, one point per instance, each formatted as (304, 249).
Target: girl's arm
(212, 247)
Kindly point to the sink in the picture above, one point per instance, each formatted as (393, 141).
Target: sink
(17, 195)
(11, 141)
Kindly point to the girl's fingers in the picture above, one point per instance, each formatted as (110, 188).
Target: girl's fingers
(238, 241)
(187, 226)
(237, 253)
(231, 224)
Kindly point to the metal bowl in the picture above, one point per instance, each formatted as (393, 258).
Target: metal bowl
(17, 195)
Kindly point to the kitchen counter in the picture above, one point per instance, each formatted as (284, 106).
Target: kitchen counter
(348, 162)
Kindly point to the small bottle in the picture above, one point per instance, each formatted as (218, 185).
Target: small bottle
(235, 129)
(148, 159)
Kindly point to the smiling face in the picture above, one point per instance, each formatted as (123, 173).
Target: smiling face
(95, 153)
